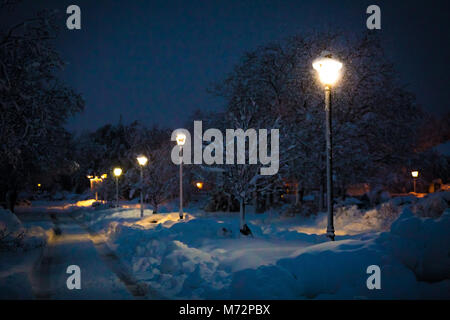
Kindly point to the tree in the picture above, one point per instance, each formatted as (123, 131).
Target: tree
(159, 173)
(242, 179)
(373, 115)
(34, 104)
(160, 178)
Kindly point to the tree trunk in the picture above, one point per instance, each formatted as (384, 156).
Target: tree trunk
(242, 214)
(301, 193)
(321, 196)
(244, 229)
(343, 191)
(11, 198)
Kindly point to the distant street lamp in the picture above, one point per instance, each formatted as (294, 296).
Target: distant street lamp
(329, 72)
(95, 180)
(415, 175)
(142, 162)
(181, 139)
(117, 173)
(199, 185)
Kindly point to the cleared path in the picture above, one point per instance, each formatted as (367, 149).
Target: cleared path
(102, 274)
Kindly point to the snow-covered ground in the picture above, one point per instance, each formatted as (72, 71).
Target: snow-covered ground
(204, 257)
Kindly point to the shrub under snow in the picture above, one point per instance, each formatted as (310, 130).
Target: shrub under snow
(13, 235)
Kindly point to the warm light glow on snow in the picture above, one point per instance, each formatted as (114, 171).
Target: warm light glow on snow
(167, 219)
(86, 203)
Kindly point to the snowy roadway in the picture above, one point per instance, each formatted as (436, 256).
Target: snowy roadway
(102, 274)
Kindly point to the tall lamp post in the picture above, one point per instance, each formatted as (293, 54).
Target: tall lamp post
(117, 173)
(415, 175)
(181, 139)
(329, 71)
(142, 160)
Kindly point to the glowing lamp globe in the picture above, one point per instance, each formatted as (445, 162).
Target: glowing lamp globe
(142, 160)
(181, 139)
(327, 68)
(117, 172)
(415, 174)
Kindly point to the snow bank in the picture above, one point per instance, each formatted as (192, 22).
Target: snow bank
(422, 245)
(18, 287)
(169, 266)
(13, 235)
(193, 257)
(414, 259)
(203, 256)
(433, 205)
(350, 220)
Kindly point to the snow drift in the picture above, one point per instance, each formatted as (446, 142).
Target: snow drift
(414, 259)
(13, 235)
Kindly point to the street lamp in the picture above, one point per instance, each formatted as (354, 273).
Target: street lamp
(117, 173)
(415, 175)
(94, 180)
(199, 185)
(329, 71)
(142, 160)
(181, 139)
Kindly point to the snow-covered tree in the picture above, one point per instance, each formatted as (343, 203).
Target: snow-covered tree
(242, 179)
(160, 178)
(34, 104)
(373, 115)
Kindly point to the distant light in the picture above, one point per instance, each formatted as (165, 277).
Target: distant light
(39, 185)
(142, 160)
(90, 177)
(181, 139)
(104, 176)
(117, 172)
(199, 185)
(328, 68)
(415, 174)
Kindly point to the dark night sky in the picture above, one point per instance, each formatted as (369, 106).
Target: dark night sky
(153, 60)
